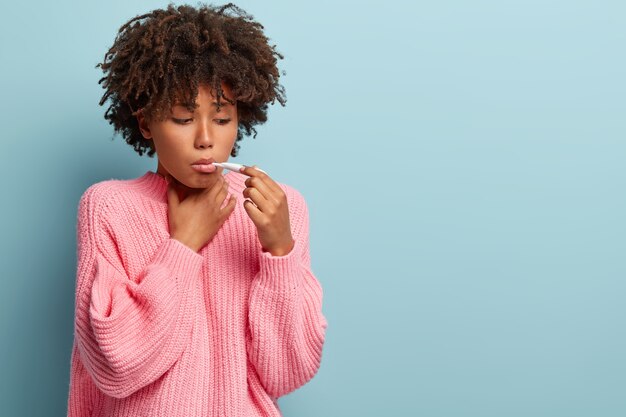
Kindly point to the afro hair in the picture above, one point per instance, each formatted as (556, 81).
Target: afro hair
(160, 58)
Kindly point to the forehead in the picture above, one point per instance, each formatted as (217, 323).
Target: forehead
(207, 94)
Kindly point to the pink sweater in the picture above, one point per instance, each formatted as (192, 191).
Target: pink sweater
(162, 330)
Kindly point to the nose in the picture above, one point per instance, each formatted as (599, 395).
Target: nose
(204, 136)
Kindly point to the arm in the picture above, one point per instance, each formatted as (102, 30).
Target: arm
(130, 332)
(286, 324)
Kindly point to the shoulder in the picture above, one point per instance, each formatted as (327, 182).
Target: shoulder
(103, 196)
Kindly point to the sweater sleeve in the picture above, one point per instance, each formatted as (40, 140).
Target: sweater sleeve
(286, 324)
(130, 332)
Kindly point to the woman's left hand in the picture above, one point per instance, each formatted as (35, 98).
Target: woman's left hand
(267, 207)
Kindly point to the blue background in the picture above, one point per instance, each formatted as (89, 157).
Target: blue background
(463, 163)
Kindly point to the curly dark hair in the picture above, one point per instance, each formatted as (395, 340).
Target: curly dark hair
(159, 59)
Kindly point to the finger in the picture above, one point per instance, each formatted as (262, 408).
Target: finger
(253, 211)
(251, 169)
(258, 199)
(255, 183)
(253, 172)
(228, 208)
(224, 199)
(214, 191)
(223, 202)
(222, 193)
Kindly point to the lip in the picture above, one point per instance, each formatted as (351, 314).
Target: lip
(204, 165)
(203, 161)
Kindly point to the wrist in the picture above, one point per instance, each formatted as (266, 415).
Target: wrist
(281, 250)
(186, 243)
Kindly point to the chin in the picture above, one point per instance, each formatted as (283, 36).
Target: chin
(204, 180)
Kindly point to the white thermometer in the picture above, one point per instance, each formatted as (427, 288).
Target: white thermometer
(232, 166)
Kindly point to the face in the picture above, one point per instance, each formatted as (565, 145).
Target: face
(184, 137)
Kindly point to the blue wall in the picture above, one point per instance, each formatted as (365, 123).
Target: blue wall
(472, 256)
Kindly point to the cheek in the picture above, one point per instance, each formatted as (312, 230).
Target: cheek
(234, 129)
(167, 143)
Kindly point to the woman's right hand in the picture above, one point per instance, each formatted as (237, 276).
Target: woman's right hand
(197, 219)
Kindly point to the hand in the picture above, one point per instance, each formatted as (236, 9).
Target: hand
(196, 220)
(267, 207)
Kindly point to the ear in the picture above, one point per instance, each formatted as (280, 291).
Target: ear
(143, 125)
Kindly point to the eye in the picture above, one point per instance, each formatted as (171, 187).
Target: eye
(222, 121)
(181, 121)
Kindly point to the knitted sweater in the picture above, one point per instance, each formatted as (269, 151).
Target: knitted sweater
(163, 331)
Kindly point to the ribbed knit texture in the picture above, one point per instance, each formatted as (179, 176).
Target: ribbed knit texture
(163, 331)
